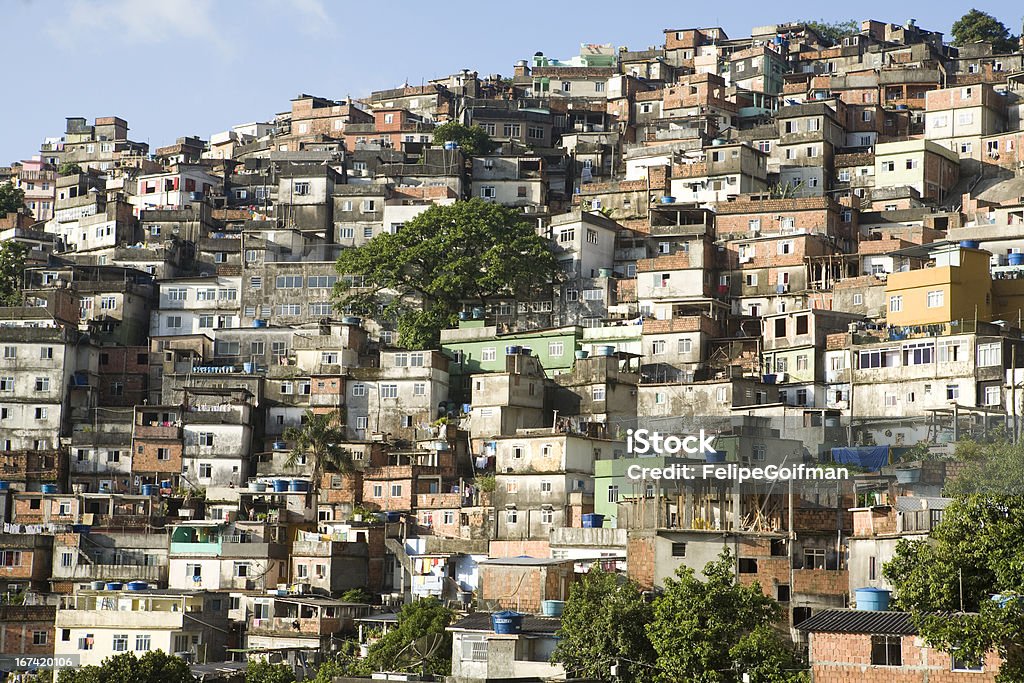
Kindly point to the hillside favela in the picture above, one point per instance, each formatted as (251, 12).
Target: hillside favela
(701, 362)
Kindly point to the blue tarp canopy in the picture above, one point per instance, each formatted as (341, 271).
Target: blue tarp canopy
(871, 458)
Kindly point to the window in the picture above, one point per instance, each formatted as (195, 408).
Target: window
(598, 393)
(879, 358)
(545, 486)
(895, 303)
(488, 354)
(678, 550)
(241, 569)
(10, 352)
(358, 390)
(964, 665)
(419, 389)
(120, 642)
(511, 516)
(511, 130)
(289, 281)
(39, 637)
(936, 297)
(658, 347)
(556, 349)
(613, 494)
(952, 392)
(86, 642)
(289, 310)
(389, 391)
(535, 132)
(858, 299)
(919, 353)
(748, 565)
(886, 651)
(785, 247)
(593, 295)
(684, 345)
(546, 516)
(488, 192)
(993, 396)
(205, 438)
(300, 189)
(205, 470)
(474, 648)
(41, 413)
(142, 643)
(989, 354)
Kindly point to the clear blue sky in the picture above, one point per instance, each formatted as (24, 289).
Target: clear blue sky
(195, 67)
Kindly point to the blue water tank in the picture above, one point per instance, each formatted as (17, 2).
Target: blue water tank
(259, 323)
(593, 521)
(1015, 259)
(150, 490)
(280, 486)
(48, 488)
(969, 244)
(114, 585)
(552, 608)
(137, 585)
(298, 486)
(872, 599)
(507, 622)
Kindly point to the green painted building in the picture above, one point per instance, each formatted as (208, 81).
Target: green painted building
(475, 347)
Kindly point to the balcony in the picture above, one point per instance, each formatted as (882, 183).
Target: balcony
(158, 431)
(197, 548)
(115, 618)
(112, 572)
(296, 626)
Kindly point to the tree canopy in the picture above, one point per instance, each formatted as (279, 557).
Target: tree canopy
(834, 31)
(977, 27)
(12, 272)
(422, 275)
(472, 140)
(715, 630)
(11, 199)
(155, 666)
(68, 168)
(418, 643)
(605, 621)
(262, 671)
(974, 553)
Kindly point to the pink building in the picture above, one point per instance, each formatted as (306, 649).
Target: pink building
(39, 181)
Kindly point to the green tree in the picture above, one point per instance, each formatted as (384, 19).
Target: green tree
(981, 27)
(423, 274)
(418, 642)
(12, 272)
(319, 440)
(604, 621)
(11, 199)
(357, 595)
(262, 671)
(714, 630)
(975, 552)
(155, 666)
(472, 140)
(834, 31)
(995, 468)
(69, 168)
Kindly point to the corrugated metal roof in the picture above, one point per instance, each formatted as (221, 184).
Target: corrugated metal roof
(481, 621)
(860, 621)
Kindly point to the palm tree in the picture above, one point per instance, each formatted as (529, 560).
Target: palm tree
(319, 438)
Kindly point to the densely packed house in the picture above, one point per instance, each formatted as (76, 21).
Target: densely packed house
(813, 248)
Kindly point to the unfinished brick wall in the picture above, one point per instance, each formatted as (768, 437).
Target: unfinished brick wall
(846, 658)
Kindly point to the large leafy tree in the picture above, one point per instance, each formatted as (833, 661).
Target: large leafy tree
(419, 642)
(993, 468)
(714, 630)
(262, 671)
(472, 140)
(319, 439)
(12, 272)
(11, 199)
(604, 622)
(423, 274)
(155, 666)
(973, 554)
(981, 27)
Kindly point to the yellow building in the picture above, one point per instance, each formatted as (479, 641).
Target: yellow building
(957, 285)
